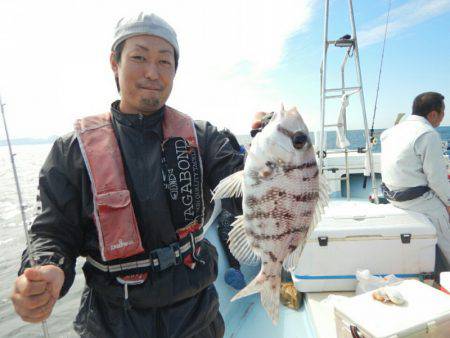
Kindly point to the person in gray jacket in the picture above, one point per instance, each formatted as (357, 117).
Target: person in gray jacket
(413, 169)
(176, 296)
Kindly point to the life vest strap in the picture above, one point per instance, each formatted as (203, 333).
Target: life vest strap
(160, 259)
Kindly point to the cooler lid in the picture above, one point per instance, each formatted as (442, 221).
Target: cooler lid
(355, 219)
(424, 307)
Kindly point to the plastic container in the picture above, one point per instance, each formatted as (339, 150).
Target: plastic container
(426, 313)
(358, 235)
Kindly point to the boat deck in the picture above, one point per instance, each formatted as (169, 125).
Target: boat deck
(246, 317)
(322, 314)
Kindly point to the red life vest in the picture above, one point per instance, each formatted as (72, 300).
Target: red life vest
(114, 216)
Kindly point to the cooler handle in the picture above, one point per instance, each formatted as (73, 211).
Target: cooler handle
(354, 332)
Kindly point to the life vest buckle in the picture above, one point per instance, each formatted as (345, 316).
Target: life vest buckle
(194, 249)
(166, 257)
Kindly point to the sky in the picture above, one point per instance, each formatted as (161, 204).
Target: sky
(237, 57)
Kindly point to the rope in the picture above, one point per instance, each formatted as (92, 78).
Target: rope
(379, 73)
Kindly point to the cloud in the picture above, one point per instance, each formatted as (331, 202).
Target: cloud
(251, 31)
(54, 65)
(401, 18)
(228, 53)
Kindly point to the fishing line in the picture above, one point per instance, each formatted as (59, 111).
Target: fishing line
(379, 73)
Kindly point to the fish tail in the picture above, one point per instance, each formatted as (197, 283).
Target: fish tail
(270, 293)
(254, 286)
(270, 297)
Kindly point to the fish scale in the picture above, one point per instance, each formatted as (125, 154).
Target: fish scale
(283, 194)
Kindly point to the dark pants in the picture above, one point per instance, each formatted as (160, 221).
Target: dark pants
(215, 330)
(224, 221)
(196, 317)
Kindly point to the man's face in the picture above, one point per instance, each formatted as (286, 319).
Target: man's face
(145, 73)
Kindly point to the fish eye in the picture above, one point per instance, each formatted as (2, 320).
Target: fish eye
(299, 139)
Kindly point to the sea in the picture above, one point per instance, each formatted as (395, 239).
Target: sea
(29, 159)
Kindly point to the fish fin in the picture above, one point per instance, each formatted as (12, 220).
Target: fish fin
(270, 294)
(324, 189)
(238, 243)
(322, 202)
(230, 186)
(317, 216)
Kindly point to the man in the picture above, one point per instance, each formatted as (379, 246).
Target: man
(413, 169)
(125, 191)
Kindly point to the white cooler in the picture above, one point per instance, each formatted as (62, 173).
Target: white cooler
(426, 313)
(358, 235)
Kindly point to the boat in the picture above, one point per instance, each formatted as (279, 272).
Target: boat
(354, 176)
(350, 188)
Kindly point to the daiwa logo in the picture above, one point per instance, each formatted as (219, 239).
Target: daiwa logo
(120, 244)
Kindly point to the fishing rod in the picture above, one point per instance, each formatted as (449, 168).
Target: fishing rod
(22, 206)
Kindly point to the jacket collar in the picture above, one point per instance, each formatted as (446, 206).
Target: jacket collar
(418, 118)
(138, 121)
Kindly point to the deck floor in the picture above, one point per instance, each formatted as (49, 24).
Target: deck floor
(246, 317)
(322, 313)
(254, 322)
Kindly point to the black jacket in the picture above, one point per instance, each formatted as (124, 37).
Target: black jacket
(65, 228)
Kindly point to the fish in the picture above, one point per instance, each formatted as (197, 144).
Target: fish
(283, 197)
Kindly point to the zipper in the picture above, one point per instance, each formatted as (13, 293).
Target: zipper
(158, 322)
(141, 127)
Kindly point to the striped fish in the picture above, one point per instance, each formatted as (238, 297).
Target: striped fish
(283, 198)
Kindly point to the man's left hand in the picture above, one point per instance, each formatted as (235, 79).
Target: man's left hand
(257, 119)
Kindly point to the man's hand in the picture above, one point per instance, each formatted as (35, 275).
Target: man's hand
(256, 123)
(36, 292)
(260, 120)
